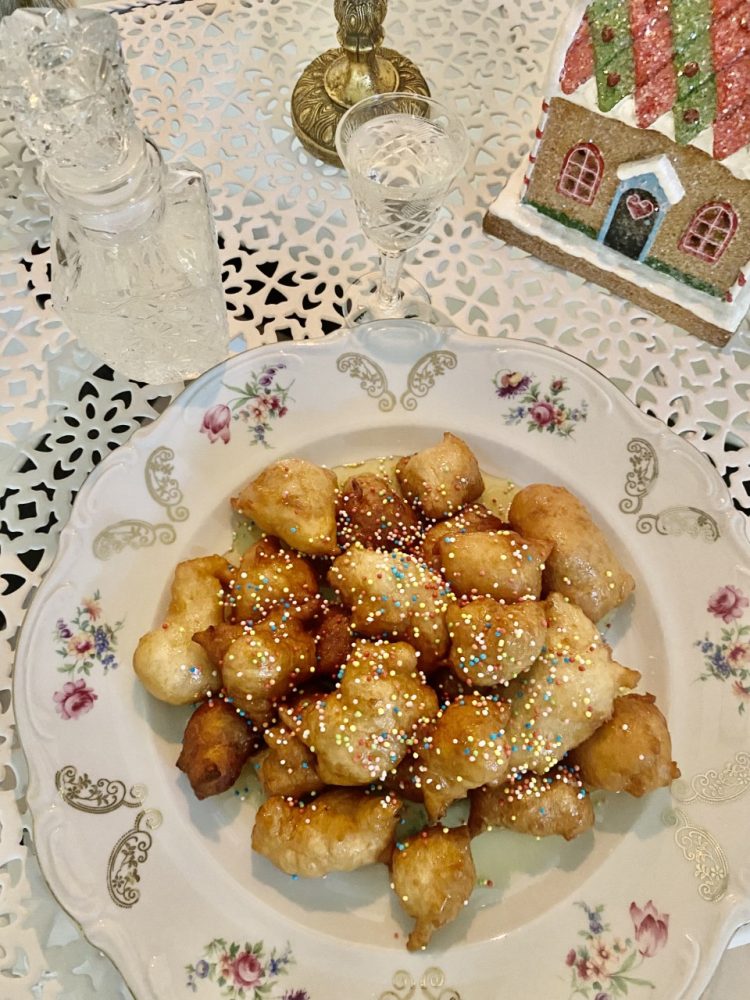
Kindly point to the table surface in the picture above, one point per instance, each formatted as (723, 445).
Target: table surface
(211, 81)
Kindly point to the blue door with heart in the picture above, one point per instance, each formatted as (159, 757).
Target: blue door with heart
(635, 216)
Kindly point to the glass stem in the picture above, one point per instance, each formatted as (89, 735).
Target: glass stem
(390, 273)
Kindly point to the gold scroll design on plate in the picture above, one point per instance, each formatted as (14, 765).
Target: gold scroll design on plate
(710, 865)
(134, 533)
(644, 472)
(420, 381)
(423, 375)
(732, 781)
(431, 986)
(128, 854)
(104, 795)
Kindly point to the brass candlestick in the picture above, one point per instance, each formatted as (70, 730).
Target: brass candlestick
(340, 77)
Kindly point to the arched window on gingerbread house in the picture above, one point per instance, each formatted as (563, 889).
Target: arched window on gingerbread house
(710, 231)
(581, 173)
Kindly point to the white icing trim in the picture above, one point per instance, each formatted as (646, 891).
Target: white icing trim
(538, 136)
(662, 169)
(738, 163)
(508, 205)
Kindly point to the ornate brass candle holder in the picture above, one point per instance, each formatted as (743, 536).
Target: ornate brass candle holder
(340, 77)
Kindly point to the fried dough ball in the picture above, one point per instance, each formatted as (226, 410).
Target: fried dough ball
(433, 876)
(371, 513)
(581, 566)
(337, 831)
(296, 501)
(216, 640)
(268, 576)
(362, 731)
(216, 745)
(287, 767)
(471, 519)
(542, 805)
(167, 662)
(440, 480)
(567, 694)
(266, 662)
(491, 642)
(498, 564)
(406, 780)
(467, 749)
(391, 594)
(631, 752)
(333, 640)
(448, 687)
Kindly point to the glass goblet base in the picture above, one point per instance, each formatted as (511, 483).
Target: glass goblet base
(361, 302)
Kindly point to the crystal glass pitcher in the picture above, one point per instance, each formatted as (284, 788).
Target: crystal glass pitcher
(135, 270)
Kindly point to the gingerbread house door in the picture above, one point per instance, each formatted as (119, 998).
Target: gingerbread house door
(646, 191)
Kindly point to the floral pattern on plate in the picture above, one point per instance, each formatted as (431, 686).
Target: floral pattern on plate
(257, 404)
(602, 966)
(244, 972)
(541, 411)
(728, 657)
(83, 643)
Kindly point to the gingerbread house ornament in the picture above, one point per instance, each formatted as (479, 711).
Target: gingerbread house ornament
(639, 176)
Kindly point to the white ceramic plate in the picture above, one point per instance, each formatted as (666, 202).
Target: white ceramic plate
(169, 887)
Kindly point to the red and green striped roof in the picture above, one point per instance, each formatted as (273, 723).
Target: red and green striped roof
(690, 57)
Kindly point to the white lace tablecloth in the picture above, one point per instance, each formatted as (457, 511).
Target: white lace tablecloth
(212, 82)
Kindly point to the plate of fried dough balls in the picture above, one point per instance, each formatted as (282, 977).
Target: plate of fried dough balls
(412, 689)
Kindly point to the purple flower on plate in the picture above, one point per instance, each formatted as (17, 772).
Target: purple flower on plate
(511, 383)
(266, 377)
(101, 640)
(63, 630)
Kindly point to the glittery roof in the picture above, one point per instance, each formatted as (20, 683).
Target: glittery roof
(690, 58)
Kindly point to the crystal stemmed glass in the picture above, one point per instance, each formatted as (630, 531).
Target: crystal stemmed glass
(401, 152)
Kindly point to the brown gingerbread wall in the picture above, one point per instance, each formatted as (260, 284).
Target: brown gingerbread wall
(702, 178)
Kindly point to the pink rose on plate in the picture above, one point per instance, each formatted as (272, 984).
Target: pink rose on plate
(728, 603)
(76, 698)
(246, 970)
(651, 928)
(216, 423)
(545, 414)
